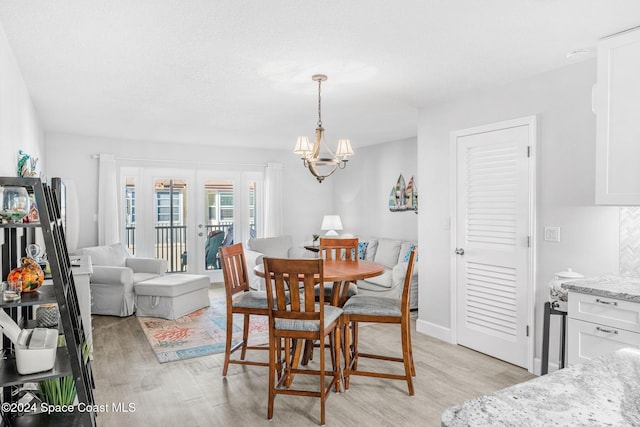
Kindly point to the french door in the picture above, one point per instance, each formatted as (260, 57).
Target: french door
(184, 216)
(493, 229)
(227, 212)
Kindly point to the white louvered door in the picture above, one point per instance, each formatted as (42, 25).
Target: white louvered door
(492, 225)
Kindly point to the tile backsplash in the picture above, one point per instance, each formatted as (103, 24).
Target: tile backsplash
(630, 241)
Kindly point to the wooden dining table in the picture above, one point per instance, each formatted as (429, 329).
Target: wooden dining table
(340, 272)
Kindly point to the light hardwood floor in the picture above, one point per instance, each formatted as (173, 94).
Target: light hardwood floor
(192, 392)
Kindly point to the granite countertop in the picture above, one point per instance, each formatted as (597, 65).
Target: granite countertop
(614, 286)
(601, 392)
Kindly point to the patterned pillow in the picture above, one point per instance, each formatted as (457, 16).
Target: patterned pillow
(362, 249)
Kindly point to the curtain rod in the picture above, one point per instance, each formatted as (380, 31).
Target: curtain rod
(190, 162)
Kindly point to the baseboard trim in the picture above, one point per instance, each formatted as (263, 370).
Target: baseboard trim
(433, 330)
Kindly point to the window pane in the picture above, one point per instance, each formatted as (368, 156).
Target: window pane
(171, 228)
(218, 204)
(130, 213)
(252, 209)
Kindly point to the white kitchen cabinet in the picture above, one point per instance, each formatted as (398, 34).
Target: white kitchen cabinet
(600, 325)
(617, 104)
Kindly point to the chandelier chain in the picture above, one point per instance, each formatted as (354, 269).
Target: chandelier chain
(319, 105)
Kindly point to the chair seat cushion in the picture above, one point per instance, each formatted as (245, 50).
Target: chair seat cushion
(252, 299)
(331, 313)
(372, 305)
(328, 289)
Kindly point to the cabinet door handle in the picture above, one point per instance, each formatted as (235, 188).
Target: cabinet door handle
(598, 300)
(606, 331)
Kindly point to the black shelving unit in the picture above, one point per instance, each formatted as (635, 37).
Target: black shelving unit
(70, 360)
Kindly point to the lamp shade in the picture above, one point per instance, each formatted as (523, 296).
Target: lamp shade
(344, 148)
(331, 223)
(302, 146)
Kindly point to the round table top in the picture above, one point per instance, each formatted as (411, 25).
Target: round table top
(341, 270)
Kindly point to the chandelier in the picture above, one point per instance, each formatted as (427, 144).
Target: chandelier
(317, 157)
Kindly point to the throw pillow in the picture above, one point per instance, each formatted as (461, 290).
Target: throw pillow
(388, 252)
(408, 254)
(114, 255)
(362, 249)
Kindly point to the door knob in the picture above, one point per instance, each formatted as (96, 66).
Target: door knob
(459, 251)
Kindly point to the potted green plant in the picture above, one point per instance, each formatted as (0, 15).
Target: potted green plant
(58, 391)
(315, 239)
(61, 391)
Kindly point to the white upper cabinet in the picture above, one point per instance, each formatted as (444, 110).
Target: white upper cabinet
(618, 120)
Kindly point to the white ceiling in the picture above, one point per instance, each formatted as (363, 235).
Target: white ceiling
(239, 71)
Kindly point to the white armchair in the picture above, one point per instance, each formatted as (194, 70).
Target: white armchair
(115, 272)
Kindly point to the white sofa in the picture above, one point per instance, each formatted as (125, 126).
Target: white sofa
(115, 272)
(389, 252)
(279, 247)
(393, 254)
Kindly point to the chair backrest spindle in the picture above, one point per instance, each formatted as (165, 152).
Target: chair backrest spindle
(337, 249)
(234, 269)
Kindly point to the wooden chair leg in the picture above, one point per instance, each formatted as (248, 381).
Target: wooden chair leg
(322, 385)
(413, 366)
(335, 353)
(332, 346)
(307, 356)
(245, 336)
(227, 348)
(354, 351)
(347, 352)
(296, 352)
(272, 376)
(406, 355)
(289, 361)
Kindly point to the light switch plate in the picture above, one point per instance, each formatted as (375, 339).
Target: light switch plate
(552, 234)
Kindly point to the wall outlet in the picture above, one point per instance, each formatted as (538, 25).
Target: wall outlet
(552, 234)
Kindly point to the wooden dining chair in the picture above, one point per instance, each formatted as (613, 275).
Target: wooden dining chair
(373, 309)
(240, 299)
(338, 249)
(297, 320)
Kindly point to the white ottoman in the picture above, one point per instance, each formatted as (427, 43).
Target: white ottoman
(172, 295)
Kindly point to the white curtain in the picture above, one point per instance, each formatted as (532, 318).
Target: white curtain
(108, 227)
(273, 200)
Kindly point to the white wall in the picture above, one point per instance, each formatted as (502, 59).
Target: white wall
(19, 124)
(361, 191)
(69, 157)
(561, 99)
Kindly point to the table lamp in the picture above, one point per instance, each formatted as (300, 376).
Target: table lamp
(331, 223)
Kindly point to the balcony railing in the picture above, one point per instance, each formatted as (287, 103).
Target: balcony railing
(171, 243)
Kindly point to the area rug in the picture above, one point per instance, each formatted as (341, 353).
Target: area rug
(200, 333)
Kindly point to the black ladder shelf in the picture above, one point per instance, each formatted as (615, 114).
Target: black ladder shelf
(70, 360)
